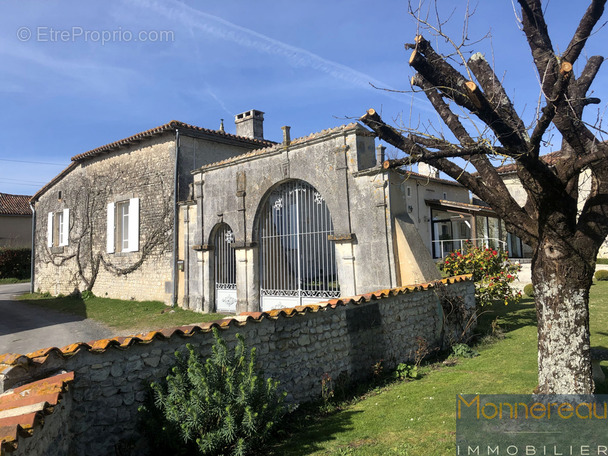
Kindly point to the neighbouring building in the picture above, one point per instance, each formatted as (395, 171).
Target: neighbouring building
(509, 175)
(15, 221)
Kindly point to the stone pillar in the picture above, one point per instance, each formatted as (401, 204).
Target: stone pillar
(247, 278)
(208, 283)
(345, 263)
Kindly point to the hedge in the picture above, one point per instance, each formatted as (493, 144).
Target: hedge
(601, 274)
(15, 263)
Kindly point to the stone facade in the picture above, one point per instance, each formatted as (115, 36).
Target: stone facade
(295, 346)
(342, 168)
(84, 241)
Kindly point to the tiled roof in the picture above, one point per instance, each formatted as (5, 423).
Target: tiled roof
(40, 357)
(25, 407)
(169, 127)
(54, 180)
(549, 159)
(14, 204)
(294, 142)
(458, 205)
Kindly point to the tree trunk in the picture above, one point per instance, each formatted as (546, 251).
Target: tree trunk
(561, 279)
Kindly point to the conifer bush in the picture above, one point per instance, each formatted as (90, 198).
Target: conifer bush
(217, 406)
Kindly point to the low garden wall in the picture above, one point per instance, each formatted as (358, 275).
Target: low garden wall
(342, 338)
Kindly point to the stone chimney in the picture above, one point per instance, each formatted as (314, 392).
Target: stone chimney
(428, 170)
(250, 124)
(380, 154)
(286, 135)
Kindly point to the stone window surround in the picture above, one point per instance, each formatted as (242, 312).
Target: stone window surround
(58, 230)
(113, 244)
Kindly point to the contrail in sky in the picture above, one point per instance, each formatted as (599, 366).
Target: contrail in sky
(243, 36)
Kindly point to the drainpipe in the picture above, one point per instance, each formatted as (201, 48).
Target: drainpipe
(175, 218)
(32, 269)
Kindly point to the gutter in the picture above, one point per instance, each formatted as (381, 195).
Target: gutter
(175, 217)
(33, 254)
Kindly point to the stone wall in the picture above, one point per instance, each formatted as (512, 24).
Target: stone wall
(138, 171)
(296, 346)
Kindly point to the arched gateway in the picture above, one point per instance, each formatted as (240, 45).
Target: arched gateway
(225, 269)
(297, 260)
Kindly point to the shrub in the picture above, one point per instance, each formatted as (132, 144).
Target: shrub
(463, 351)
(219, 406)
(404, 371)
(602, 274)
(492, 272)
(529, 290)
(86, 295)
(15, 263)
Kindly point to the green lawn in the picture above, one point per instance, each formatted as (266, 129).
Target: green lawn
(417, 417)
(135, 316)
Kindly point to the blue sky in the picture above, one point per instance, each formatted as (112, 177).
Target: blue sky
(76, 75)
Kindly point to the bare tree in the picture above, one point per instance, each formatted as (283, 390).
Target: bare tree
(565, 238)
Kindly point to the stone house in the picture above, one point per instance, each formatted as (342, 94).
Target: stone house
(446, 216)
(108, 222)
(15, 221)
(509, 175)
(218, 222)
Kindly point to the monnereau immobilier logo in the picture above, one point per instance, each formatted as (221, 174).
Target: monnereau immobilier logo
(531, 425)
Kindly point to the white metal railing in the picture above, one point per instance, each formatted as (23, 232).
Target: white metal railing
(445, 246)
(296, 257)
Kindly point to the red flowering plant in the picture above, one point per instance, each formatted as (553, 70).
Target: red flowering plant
(492, 271)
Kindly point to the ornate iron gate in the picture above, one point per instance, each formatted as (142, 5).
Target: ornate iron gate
(225, 270)
(298, 262)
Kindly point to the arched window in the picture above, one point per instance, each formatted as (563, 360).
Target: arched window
(298, 261)
(225, 269)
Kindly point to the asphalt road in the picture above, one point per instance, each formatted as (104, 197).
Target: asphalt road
(25, 328)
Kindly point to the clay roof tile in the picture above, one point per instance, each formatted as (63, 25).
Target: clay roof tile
(14, 204)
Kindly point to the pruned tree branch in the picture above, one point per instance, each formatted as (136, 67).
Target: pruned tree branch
(585, 27)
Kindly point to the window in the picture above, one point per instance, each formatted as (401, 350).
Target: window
(409, 191)
(58, 229)
(123, 226)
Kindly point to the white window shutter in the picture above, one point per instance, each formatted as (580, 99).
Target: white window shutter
(110, 229)
(133, 225)
(66, 227)
(49, 231)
